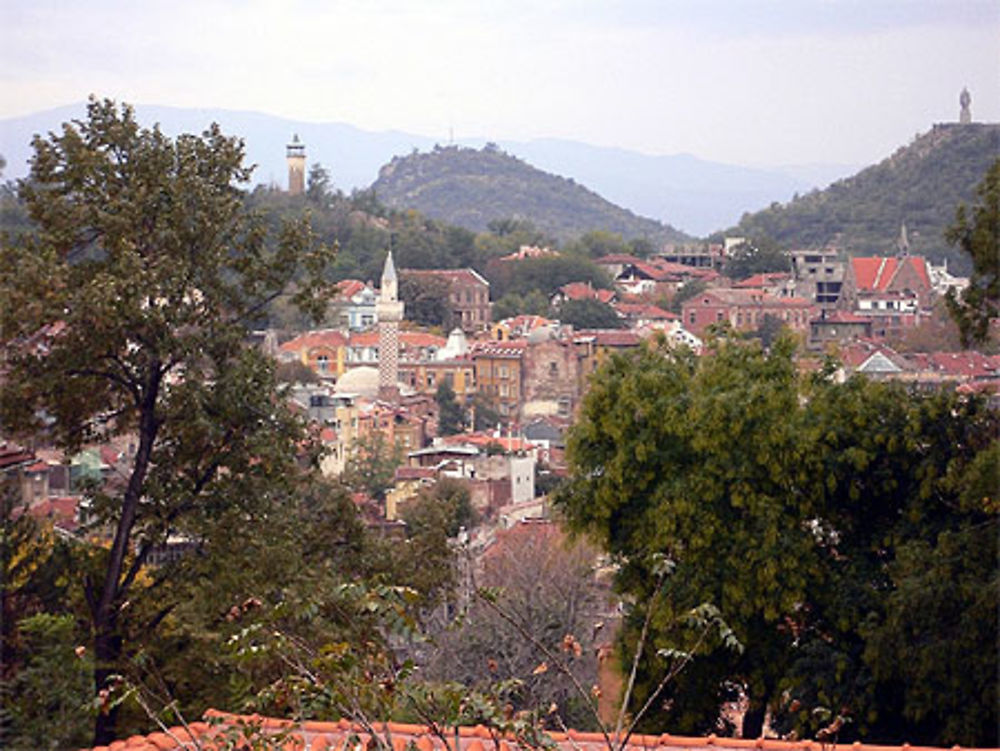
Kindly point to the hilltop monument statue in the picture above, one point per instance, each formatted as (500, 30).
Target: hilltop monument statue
(965, 100)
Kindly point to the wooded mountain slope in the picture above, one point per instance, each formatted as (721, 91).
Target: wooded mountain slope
(471, 188)
(921, 184)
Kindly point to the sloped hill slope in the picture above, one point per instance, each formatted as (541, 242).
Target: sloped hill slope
(471, 187)
(920, 184)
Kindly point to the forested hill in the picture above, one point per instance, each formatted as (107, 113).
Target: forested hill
(470, 188)
(920, 184)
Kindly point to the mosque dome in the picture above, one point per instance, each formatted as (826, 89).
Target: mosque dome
(363, 381)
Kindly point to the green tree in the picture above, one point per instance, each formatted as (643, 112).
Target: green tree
(371, 467)
(598, 243)
(319, 190)
(126, 312)
(451, 418)
(52, 708)
(758, 256)
(589, 314)
(811, 514)
(446, 506)
(689, 290)
(426, 300)
(978, 236)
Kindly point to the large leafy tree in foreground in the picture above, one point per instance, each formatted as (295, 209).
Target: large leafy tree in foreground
(125, 314)
(847, 533)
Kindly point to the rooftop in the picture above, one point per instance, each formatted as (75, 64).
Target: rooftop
(220, 730)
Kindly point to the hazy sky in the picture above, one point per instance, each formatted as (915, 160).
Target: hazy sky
(742, 81)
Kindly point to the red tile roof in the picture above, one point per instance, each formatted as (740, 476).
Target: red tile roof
(616, 259)
(218, 732)
(764, 280)
(610, 337)
(645, 310)
(61, 511)
(415, 473)
(964, 364)
(350, 287)
(584, 291)
(509, 443)
(321, 338)
(406, 339)
(876, 273)
(12, 455)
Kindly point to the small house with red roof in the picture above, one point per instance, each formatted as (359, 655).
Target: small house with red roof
(581, 291)
(355, 304)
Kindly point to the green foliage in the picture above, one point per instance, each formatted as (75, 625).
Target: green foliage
(126, 313)
(371, 467)
(447, 506)
(758, 256)
(506, 236)
(49, 700)
(919, 185)
(427, 300)
(295, 371)
(689, 290)
(978, 237)
(485, 415)
(545, 274)
(814, 516)
(318, 189)
(589, 314)
(474, 189)
(597, 243)
(512, 304)
(451, 416)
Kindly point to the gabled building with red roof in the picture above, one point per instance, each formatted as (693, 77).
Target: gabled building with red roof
(873, 285)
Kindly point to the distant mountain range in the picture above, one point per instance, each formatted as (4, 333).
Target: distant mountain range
(920, 185)
(692, 194)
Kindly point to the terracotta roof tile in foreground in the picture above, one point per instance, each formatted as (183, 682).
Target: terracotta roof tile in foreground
(221, 730)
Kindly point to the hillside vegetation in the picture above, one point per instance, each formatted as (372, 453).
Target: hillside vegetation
(921, 184)
(470, 188)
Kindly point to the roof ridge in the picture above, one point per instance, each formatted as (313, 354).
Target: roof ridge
(320, 734)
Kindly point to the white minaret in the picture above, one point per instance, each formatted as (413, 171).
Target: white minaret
(390, 312)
